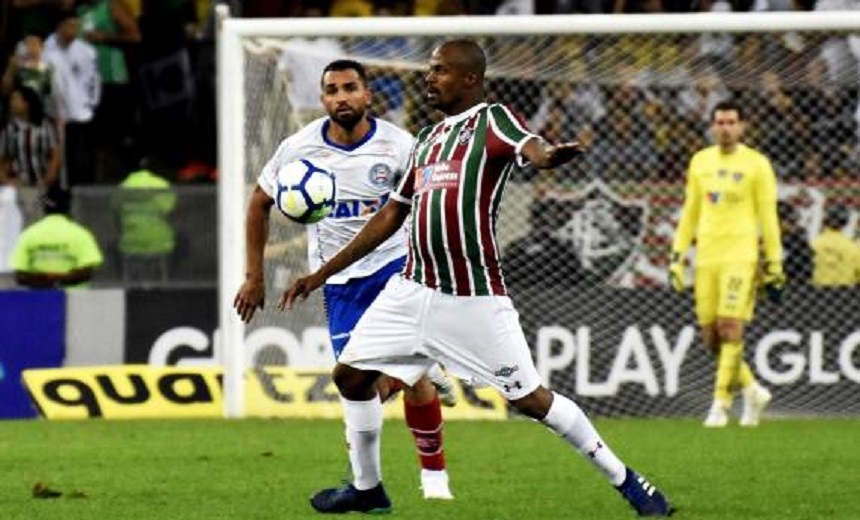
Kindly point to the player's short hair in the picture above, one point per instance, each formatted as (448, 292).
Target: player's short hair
(470, 54)
(836, 216)
(34, 103)
(726, 106)
(341, 65)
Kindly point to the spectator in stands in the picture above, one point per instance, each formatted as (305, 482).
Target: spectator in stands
(29, 148)
(167, 81)
(622, 151)
(678, 139)
(28, 68)
(78, 90)
(836, 257)
(829, 113)
(796, 251)
(56, 251)
(705, 90)
(566, 109)
(782, 130)
(143, 204)
(34, 17)
(112, 29)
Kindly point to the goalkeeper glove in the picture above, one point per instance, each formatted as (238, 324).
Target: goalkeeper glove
(677, 272)
(774, 281)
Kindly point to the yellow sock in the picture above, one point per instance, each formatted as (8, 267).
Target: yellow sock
(745, 374)
(728, 366)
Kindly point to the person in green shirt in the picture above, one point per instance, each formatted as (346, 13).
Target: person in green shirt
(143, 203)
(56, 251)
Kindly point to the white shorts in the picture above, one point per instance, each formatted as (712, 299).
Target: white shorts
(478, 338)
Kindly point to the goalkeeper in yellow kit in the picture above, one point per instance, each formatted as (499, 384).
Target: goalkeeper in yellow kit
(730, 201)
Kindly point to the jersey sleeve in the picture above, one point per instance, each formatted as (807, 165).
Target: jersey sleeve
(689, 221)
(765, 200)
(269, 174)
(511, 130)
(406, 189)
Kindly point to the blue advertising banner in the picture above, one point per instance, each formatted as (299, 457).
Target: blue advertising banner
(32, 335)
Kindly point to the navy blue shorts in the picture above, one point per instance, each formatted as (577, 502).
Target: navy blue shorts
(346, 303)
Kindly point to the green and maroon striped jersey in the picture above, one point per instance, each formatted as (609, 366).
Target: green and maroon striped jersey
(454, 180)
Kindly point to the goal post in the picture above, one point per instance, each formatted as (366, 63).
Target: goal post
(603, 326)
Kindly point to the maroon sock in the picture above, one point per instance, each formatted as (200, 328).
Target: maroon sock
(425, 423)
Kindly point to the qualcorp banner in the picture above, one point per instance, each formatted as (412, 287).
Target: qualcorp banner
(143, 391)
(637, 351)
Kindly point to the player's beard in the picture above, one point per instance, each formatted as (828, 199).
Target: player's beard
(348, 119)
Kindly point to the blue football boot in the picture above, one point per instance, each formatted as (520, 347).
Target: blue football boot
(646, 499)
(347, 499)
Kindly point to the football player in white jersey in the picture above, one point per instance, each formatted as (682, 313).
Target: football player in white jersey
(366, 155)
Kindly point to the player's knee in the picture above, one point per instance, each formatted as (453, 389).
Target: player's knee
(421, 392)
(353, 383)
(729, 330)
(535, 405)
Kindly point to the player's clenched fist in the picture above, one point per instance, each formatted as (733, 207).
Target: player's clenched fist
(677, 272)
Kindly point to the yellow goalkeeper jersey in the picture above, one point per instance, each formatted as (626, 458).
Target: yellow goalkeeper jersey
(730, 201)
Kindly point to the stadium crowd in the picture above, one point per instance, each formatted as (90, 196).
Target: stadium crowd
(93, 88)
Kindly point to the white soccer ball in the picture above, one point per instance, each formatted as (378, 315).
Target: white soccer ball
(305, 191)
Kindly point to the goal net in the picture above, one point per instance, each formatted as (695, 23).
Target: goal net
(585, 245)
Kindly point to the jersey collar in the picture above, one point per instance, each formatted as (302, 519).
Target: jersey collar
(351, 147)
(456, 118)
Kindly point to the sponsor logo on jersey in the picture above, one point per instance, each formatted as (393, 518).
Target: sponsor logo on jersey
(358, 207)
(380, 175)
(438, 176)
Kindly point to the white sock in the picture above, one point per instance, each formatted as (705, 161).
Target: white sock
(568, 420)
(363, 430)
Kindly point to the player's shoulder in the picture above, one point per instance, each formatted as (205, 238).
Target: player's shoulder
(704, 156)
(752, 153)
(388, 129)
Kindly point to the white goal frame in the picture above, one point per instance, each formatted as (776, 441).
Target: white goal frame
(231, 102)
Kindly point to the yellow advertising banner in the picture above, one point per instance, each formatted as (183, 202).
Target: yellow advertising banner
(144, 391)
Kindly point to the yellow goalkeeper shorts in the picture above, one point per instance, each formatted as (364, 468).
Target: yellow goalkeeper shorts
(725, 291)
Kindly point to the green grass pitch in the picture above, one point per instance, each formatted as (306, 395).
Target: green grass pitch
(267, 469)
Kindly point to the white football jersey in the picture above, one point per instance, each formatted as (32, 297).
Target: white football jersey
(365, 173)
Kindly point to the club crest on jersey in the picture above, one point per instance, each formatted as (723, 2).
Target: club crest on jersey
(465, 136)
(722, 173)
(737, 176)
(380, 175)
(605, 230)
(714, 196)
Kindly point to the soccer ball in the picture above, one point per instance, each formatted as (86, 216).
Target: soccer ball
(305, 191)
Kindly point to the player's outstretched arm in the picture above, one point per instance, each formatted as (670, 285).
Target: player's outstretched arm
(545, 155)
(377, 230)
(252, 295)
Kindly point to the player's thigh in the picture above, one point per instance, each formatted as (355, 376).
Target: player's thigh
(737, 291)
(346, 303)
(386, 338)
(707, 293)
(480, 339)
